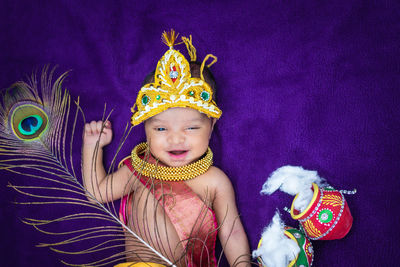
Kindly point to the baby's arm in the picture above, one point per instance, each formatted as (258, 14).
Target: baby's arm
(101, 186)
(231, 233)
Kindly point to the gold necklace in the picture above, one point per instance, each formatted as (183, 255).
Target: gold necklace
(164, 173)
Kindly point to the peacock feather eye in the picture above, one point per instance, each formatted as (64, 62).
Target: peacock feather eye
(30, 125)
(28, 121)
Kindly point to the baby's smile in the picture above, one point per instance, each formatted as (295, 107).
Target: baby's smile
(178, 154)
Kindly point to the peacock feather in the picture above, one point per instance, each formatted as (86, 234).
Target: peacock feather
(36, 140)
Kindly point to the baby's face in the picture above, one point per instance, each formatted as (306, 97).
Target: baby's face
(178, 136)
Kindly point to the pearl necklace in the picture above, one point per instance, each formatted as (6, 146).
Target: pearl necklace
(165, 173)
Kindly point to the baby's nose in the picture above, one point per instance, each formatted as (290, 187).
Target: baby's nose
(176, 138)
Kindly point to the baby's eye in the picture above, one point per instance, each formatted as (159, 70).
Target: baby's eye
(193, 128)
(160, 129)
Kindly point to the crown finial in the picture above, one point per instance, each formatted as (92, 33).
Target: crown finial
(169, 38)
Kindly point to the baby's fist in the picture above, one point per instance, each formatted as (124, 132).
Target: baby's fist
(95, 131)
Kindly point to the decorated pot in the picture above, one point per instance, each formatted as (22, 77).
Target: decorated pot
(326, 217)
(306, 254)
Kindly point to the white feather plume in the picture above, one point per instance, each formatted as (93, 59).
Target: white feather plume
(276, 249)
(293, 180)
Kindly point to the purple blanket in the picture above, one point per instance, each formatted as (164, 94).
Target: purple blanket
(314, 84)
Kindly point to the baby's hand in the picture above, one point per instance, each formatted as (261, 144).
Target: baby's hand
(92, 133)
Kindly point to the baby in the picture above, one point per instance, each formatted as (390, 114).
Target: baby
(173, 198)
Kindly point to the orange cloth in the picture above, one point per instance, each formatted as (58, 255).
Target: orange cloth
(194, 222)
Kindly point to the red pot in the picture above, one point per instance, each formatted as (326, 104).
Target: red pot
(327, 216)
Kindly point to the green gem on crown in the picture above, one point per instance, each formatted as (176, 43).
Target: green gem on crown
(191, 93)
(158, 97)
(205, 95)
(145, 100)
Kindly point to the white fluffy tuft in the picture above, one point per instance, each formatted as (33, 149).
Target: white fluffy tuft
(293, 180)
(276, 249)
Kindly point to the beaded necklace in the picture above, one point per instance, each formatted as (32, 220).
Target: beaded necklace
(164, 173)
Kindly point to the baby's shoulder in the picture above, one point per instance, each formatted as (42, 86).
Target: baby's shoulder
(216, 178)
(210, 184)
(215, 172)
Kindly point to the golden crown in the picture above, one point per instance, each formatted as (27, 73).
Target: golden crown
(174, 85)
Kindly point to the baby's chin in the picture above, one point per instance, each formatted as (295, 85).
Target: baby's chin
(177, 162)
(176, 165)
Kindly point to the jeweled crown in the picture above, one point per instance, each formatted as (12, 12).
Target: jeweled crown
(174, 85)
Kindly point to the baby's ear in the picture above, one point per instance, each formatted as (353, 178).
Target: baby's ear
(213, 121)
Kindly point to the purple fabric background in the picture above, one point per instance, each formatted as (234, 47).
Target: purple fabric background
(312, 83)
